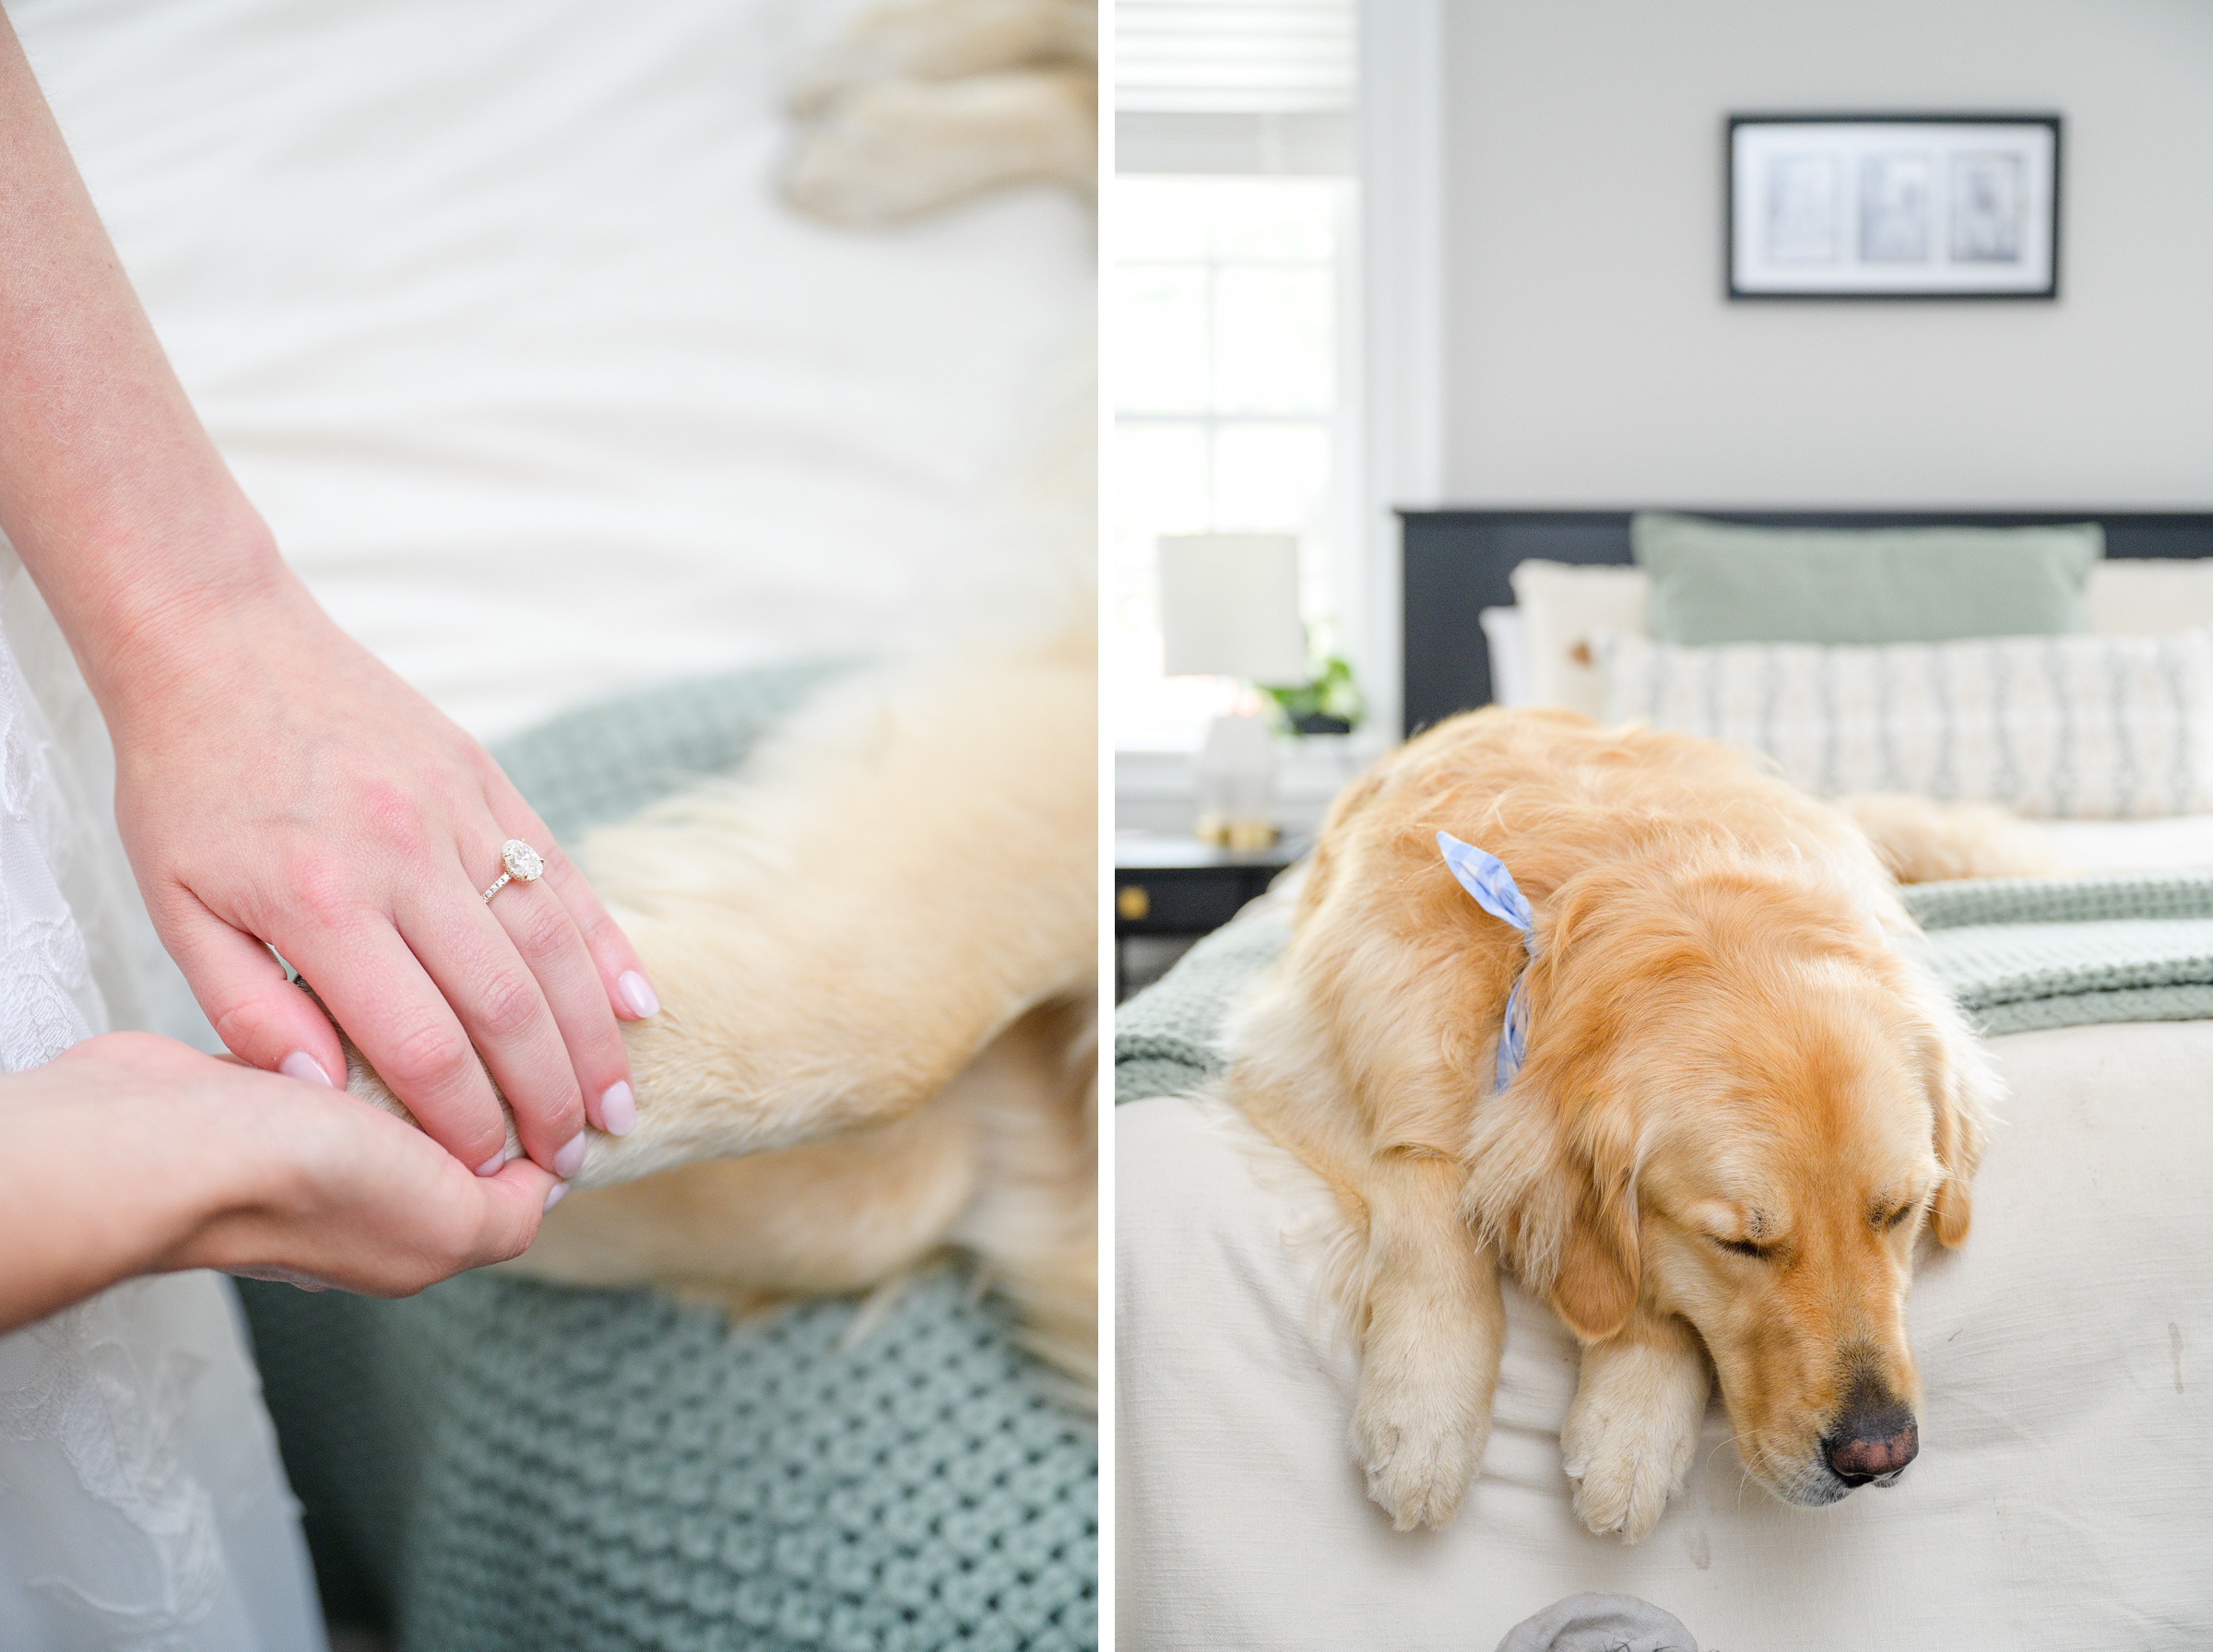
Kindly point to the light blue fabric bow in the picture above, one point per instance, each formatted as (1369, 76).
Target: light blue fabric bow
(1484, 877)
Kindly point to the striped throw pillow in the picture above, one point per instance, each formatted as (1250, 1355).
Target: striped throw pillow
(2082, 727)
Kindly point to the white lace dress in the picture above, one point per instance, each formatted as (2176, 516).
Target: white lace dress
(142, 1504)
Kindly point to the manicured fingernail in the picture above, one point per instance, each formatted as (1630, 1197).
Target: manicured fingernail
(305, 1067)
(617, 1110)
(555, 1193)
(570, 1159)
(637, 995)
(490, 1167)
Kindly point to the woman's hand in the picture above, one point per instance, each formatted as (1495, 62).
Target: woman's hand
(135, 1154)
(275, 783)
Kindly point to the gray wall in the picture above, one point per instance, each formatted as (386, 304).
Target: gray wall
(1592, 360)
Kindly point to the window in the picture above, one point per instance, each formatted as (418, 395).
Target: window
(1231, 415)
(1233, 368)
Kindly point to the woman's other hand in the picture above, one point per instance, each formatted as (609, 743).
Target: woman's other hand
(133, 1154)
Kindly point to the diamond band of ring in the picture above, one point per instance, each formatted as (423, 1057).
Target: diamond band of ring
(521, 861)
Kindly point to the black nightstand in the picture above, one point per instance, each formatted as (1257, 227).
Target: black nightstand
(1177, 888)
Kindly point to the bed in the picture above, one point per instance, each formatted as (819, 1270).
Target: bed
(2062, 1498)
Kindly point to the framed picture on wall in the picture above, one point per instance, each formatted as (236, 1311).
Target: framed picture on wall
(1893, 206)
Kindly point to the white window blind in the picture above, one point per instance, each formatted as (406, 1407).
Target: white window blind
(1233, 57)
(1235, 85)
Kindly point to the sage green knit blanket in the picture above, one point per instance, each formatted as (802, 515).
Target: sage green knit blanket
(500, 1465)
(2019, 953)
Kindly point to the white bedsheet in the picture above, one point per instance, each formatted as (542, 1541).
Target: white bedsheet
(2063, 1501)
(2183, 842)
(493, 310)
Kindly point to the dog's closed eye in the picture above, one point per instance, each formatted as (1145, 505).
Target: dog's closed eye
(1897, 1217)
(1744, 1247)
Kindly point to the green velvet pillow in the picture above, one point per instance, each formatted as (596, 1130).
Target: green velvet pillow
(1722, 582)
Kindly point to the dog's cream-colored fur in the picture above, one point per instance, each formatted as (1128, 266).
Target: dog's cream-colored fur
(876, 951)
(921, 103)
(1922, 841)
(1727, 1055)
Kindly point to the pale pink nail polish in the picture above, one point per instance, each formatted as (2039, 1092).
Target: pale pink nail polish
(617, 1110)
(490, 1167)
(305, 1067)
(570, 1159)
(637, 995)
(554, 1194)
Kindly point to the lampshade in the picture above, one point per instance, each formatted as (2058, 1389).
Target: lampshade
(1229, 607)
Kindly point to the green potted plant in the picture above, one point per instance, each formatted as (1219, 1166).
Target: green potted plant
(1328, 703)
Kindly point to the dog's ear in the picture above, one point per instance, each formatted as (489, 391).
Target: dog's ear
(1595, 1289)
(1558, 1205)
(1962, 1089)
(1962, 1113)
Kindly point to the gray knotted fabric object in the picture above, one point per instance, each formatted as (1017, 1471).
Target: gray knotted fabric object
(1600, 1623)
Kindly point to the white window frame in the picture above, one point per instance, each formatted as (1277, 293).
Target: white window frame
(1393, 306)
(1403, 360)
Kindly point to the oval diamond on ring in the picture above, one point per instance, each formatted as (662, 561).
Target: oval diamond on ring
(521, 861)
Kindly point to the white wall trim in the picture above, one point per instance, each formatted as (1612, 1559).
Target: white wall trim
(1402, 131)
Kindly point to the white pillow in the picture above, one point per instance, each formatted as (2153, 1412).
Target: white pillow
(2086, 727)
(1564, 606)
(2148, 596)
(1507, 634)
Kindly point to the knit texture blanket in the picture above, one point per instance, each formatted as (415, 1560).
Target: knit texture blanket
(501, 1465)
(2019, 953)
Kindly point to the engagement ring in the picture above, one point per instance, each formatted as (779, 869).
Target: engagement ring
(521, 861)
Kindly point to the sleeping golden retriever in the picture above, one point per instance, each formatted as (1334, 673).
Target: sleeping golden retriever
(1741, 1107)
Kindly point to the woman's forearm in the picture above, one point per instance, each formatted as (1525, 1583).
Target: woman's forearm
(110, 487)
(107, 1175)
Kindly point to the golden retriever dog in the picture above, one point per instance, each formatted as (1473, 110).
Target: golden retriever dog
(921, 103)
(1740, 1107)
(876, 951)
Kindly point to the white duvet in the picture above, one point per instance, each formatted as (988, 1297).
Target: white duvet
(494, 310)
(2063, 1501)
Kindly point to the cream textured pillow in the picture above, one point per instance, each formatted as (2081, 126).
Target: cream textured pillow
(1504, 629)
(1564, 606)
(2086, 727)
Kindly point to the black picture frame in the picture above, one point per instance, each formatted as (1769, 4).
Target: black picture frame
(1870, 127)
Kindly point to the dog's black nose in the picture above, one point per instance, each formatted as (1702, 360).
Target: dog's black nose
(1872, 1442)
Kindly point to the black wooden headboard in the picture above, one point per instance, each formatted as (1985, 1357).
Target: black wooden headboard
(1456, 564)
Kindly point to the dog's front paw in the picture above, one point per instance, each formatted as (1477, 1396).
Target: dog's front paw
(1418, 1451)
(1626, 1461)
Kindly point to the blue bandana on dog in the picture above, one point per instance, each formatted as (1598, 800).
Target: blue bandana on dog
(1486, 877)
